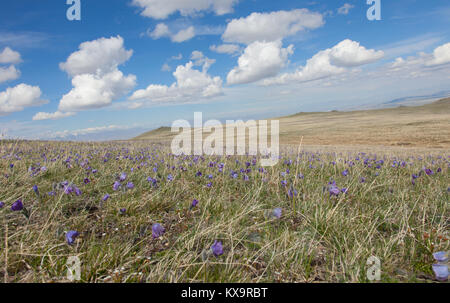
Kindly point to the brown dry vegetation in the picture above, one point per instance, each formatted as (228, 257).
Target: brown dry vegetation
(426, 126)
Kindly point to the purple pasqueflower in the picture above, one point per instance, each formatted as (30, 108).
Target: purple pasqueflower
(429, 172)
(86, 181)
(441, 256)
(158, 230)
(284, 182)
(209, 184)
(2, 204)
(122, 177)
(116, 185)
(17, 206)
(36, 190)
(71, 236)
(106, 197)
(440, 271)
(169, 177)
(122, 211)
(77, 190)
(68, 190)
(198, 174)
(334, 190)
(345, 173)
(362, 180)
(130, 185)
(217, 248)
(194, 203)
(292, 193)
(277, 212)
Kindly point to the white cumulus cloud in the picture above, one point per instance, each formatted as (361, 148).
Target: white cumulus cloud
(92, 91)
(330, 62)
(271, 26)
(230, 49)
(162, 31)
(9, 73)
(161, 9)
(350, 53)
(99, 56)
(17, 98)
(345, 9)
(441, 55)
(191, 85)
(259, 60)
(96, 81)
(184, 35)
(8, 56)
(51, 116)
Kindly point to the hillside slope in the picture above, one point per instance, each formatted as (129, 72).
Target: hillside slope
(419, 126)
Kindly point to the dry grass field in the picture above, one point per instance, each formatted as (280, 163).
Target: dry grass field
(426, 126)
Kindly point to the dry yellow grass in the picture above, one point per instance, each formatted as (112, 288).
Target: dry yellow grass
(426, 126)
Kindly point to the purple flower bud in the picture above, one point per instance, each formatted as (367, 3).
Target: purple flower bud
(71, 236)
(106, 197)
(334, 190)
(2, 204)
(441, 256)
(77, 191)
(130, 185)
(116, 185)
(169, 177)
(441, 271)
(194, 203)
(122, 177)
(17, 206)
(217, 248)
(122, 211)
(158, 230)
(68, 190)
(345, 173)
(277, 212)
(292, 193)
(36, 190)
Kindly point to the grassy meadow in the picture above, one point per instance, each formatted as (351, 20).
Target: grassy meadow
(317, 216)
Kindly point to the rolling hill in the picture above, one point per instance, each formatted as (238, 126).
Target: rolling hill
(412, 126)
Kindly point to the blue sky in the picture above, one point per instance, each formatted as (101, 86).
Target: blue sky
(133, 65)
